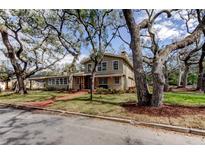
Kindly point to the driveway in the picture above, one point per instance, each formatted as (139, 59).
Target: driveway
(23, 127)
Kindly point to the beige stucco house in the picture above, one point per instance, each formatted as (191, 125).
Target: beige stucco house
(114, 72)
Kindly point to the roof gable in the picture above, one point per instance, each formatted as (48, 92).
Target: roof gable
(124, 58)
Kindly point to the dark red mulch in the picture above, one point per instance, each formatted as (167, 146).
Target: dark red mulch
(181, 89)
(40, 103)
(164, 110)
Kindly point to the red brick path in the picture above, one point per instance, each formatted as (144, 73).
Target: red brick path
(59, 98)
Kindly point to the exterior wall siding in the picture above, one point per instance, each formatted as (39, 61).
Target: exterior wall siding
(129, 76)
(110, 69)
(111, 83)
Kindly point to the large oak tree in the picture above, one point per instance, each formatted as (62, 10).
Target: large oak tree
(160, 54)
(29, 43)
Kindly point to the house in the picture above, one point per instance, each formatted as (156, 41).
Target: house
(114, 72)
(5, 85)
(2, 85)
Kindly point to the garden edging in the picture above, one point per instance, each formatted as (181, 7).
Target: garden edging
(123, 120)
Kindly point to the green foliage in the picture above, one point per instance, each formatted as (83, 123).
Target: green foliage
(109, 91)
(173, 79)
(5, 73)
(192, 79)
(41, 38)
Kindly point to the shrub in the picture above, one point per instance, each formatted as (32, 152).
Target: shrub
(102, 91)
(50, 89)
(109, 91)
(131, 90)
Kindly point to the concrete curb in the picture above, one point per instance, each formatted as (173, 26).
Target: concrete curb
(123, 120)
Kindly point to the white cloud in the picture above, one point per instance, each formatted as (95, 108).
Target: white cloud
(174, 27)
(69, 58)
(2, 57)
(168, 29)
(165, 33)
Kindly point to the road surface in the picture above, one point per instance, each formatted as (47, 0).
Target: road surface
(23, 127)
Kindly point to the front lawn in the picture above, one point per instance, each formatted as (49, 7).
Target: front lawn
(101, 104)
(32, 96)
(191, 115)
(111, 105)
(185, 98)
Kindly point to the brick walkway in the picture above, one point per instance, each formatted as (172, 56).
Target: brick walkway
(71, 96)
(59, 98)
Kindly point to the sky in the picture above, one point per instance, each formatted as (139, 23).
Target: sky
(166, 29)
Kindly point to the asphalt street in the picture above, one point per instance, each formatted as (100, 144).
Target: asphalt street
(23, 127)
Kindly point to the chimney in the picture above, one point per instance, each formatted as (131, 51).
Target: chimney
(124, 54)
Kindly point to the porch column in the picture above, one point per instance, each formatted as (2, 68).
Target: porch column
(30, 84)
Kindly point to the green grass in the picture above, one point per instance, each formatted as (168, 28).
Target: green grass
(32, 96)
(172, 98)
(110, 105)
(102, 104)
(112, 102)
(185, 98)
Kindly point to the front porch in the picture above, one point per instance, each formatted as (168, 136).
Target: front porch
(101, 81)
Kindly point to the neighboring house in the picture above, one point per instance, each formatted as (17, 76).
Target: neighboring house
(5, 85)
(114, 72)
(2, 86)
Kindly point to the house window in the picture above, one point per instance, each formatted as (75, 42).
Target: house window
(102, 81)
(57, 81)
(104, 66)
(89, 67)
(65, 81)
(115, 65)
(99, 67)
(53, 81)
(49, 81)
(117, 80)
(61, 80)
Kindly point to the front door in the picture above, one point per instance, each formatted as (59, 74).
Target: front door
(87, 82)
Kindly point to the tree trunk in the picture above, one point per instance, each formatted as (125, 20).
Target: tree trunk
(166, 75)
(13, 59)
(201, 71)
(158, 84)
(92, 87)
(21, 85)
(143, 94)
(7, 85)
(166, 86)
(185, 76)
(180, 77)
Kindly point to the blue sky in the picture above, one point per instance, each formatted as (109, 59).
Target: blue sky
(166, 29)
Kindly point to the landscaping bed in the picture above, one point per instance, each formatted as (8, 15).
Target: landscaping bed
(164, 110)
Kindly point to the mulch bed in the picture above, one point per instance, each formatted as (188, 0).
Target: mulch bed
(181, 89)
(164, 110)
(46, 103)
(70, 96)
(40, 104)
